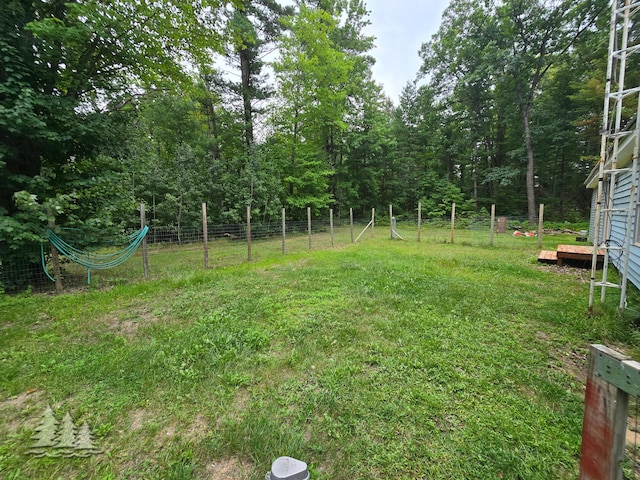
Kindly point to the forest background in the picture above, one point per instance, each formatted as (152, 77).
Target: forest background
(104, 105)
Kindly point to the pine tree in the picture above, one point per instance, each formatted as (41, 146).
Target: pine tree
(45, 434)
(84, 442)
(66, 439)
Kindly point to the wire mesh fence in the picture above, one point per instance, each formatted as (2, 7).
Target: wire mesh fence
(181, 249)
(631, 462)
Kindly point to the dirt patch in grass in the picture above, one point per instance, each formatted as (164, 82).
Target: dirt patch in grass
(166, 433)
(573, 361)
(227, 469)
(14, 409)
(198, 428)
(543, 337)
(240, 400)
(583, 275)
(137, 420)
(576, 363)
(19, 402)
(127, 323)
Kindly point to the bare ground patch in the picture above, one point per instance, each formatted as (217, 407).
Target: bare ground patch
(228, 469)
(240, 400)
(582, 275)
(573, 361)
(576, 363)
(17, 411)
(198, 429)
(127, 322)
(137, 418)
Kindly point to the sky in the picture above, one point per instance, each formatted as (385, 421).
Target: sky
(400, 28)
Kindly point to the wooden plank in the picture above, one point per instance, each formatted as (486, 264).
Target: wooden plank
(604, 424)
(502, 224)
(576, 250)
(540, 225)
(548, 256)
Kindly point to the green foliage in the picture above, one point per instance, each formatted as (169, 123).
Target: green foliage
(504, 74)
(66, 72)
(98, 114)
(441, 197)
(312, 72)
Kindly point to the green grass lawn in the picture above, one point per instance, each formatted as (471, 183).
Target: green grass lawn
(384, 359)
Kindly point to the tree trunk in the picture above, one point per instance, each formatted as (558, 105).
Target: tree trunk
(531, 200)
(525, 112)
(293, 150)
(474, 172)
(179, 218)
(562, 185)
(245, 68)
(214, 132)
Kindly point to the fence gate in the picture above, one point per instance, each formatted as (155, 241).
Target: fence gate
(610, 430)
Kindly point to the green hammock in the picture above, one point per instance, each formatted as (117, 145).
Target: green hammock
(95, 261)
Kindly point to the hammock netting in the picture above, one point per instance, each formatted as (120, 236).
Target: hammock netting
(93, 260)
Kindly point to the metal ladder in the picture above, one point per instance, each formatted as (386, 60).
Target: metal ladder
(612, 136)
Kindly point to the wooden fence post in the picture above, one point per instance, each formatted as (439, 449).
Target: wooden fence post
(351, 222)
(419, 219)
(540, 225)
(145, 258)
(249, 233)
(373, 222)
(453, 219)
(493, 223)
(309, 225)
(205, 235)
(284, 230)
(331, 224)
(57, 272)
(606, 409)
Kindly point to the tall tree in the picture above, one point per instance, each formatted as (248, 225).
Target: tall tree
(465, 73)
(254, 26)
(536, 33)
(311, 74)
(501, 59)
(66, 71)
(366, 173)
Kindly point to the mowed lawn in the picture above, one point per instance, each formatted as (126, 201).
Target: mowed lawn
(380, 360)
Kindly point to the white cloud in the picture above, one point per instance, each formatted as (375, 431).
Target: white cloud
(400, 28)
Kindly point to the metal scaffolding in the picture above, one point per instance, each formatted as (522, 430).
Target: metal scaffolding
(617, 168)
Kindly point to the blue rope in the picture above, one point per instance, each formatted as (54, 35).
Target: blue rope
(94, 261)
